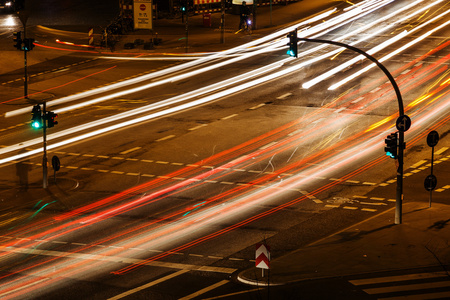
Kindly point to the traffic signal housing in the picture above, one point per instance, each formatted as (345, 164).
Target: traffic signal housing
(36, 117)
(292, 36)
(183, 6)
(391, 148)
(18, 40)
(28, 44)
(51, 119)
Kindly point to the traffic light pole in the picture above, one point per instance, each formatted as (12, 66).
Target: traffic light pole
(399, 194)
(44, 159)
(25, 85)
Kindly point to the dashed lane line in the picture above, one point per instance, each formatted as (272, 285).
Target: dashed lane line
(130, 150)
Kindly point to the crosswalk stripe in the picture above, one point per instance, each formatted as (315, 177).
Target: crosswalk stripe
(427, 285)
(386, 279)
(407, 287)
(442, 295)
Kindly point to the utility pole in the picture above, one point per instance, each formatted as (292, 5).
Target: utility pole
(44, 158)
(222, 22)
(23, 16)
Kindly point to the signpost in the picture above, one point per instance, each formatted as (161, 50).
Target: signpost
(56, 164)
(262, 257)
(431, 180)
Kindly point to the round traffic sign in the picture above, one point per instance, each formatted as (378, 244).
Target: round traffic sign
(403, 123)
(56, 164)
(430, 182)
(142, 7)
(433, 138)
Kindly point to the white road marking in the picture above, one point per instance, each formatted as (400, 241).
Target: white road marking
(143, 287)
(205, 290)
(117, 259)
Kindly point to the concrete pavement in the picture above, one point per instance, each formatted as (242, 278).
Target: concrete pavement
(374, 245)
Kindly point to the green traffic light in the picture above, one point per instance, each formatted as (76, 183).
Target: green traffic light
(36, 124)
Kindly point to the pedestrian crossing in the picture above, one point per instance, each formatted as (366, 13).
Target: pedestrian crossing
(416, 286)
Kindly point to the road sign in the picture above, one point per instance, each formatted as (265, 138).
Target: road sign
(262, 256)
(56, 164)
(433, 138)
(430, 182)
(143, 14)
(403, 123)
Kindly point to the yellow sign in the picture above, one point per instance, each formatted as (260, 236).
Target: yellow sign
(143, 18)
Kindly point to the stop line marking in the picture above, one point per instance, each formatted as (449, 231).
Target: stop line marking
(117, 259)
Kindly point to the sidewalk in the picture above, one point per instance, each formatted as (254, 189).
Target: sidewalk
(374, 245)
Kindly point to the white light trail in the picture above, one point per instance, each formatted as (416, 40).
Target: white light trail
(390, 55)
(161, 104)
(374, 50)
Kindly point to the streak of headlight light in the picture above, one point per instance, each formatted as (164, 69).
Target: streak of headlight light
(363, 3)
(29, 143)
(343, 159)
(330, 25)
(410, 44)
(133, 112)
(237, 205)
(345, 65)
(335, 23)
(114, 117)
(151, 58)
(166, 71)
(374, 50)
(161, 73)
(140, 110)
(139, 88)
(366, 37)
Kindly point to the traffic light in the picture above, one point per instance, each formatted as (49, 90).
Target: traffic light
(36, 117)
(391, 145)
(183, 6)
(50, 117)
(28, 44)
(18, 40)
(292, 51)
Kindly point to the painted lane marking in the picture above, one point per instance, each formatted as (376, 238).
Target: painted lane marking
(117, 259)
(165, 138)
(143, 287)
(284, 96)
(205, 290)
(130, 150)
(257, 106)
(229, 117)
(197, 127)
(442, 150)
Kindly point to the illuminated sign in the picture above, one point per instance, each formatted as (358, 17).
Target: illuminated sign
(143, 18)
